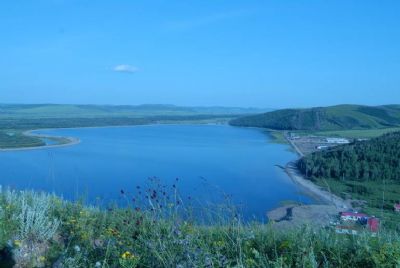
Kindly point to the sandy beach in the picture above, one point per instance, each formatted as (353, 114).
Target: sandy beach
(315, 190)
(316, 215)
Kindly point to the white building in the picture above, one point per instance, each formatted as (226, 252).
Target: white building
(337, 140)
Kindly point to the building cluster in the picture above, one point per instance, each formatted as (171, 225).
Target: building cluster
(353, 222)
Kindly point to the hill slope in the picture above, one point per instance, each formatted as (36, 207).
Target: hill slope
(26, 111)
(339, 117)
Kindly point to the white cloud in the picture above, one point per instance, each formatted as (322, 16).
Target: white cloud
(125, 68)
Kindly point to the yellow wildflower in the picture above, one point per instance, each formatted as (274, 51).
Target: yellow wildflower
(127, 255)
(42, 258)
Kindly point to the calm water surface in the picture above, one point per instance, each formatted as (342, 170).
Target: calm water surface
(209, 160)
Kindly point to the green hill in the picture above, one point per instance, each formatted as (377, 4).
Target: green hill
(340, 117)
(26, 111)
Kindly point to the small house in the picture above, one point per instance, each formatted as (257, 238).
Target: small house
(337, 140)
(352, 216)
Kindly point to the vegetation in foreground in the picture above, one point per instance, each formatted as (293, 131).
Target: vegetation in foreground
(41, 230)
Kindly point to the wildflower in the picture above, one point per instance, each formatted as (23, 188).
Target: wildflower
(17, 243)
(98, 264)
(127, 255)
(77, 248)
(42, 258)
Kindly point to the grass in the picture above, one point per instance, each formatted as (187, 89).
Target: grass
(277, 136)
(355, 134)
(162, 232)
(16, 139)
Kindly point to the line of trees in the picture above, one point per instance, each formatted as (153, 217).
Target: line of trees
(374, 160)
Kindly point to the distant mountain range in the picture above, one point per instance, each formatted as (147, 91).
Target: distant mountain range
(105, 111)
(338, 117)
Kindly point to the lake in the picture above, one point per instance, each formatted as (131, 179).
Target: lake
(209, 160)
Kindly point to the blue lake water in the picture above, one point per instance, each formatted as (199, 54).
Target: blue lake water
(209, 160)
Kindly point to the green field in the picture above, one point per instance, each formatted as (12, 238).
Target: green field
(353, 133)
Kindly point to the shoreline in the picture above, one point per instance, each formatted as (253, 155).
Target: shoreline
(290, 168)
(316, 191)
(294, 173)
(329, 201)
(314, 215)
(73, 140)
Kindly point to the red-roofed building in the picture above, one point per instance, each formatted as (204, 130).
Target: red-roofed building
(352, 216)
(373, 224)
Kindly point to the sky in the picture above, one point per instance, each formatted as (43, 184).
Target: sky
(249, 53)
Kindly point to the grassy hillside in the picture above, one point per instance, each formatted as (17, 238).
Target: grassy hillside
(40, 230)
(341, 117)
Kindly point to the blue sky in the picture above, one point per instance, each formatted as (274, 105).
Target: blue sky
(231, 53)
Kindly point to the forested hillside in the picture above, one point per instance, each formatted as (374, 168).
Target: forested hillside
(374, 160)
(341, 117)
